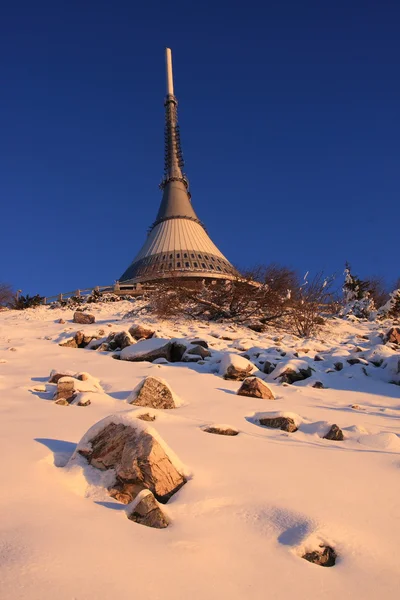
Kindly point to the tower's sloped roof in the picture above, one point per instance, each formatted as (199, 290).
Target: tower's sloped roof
(177, 244)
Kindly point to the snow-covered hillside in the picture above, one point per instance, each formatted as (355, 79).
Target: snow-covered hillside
(253, 504)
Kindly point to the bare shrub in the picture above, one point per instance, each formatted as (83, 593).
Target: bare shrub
(310, 300)
(377, 290)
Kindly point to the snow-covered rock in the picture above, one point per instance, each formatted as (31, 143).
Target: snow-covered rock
(135, 452)
(155, 393)
(146, 511)
(83, 318)
(235, 367)
(292, 370)
(255, 388)
(154, 348)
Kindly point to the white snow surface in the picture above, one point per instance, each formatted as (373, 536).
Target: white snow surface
(253, 503)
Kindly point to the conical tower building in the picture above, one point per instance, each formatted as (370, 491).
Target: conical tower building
(177, 244)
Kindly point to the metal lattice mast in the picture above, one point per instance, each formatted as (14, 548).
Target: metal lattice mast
(173, 157)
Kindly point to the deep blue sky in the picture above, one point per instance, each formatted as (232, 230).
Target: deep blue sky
(290, 123)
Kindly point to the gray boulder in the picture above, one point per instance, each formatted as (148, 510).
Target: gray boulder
(153, 392)
(255, 388)
(335, 434)
(221, 430)
(291, 375)
(139, 332)
(392, 336)
(65, 391)
(326, 557)
(146, 511)
(172, 351)
(284, 423)
(235, 367)
(83, 318)
(136, 456)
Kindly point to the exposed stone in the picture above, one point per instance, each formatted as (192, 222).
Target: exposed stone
(199, 350)
(235, 367)
(62, 402)
(318, 358)
(137, 457)
(255, 388)
(200, 343)
(65, 390)
(101, 332)
(80, 340)
(56, 375)
(392, 336)
(219, 430)
(335, 434)
(326, 557)
(146, 417)
(119, 340)
(148, 512)
(125, 492)
(70, 343)
(268, 367)
(171, 351)
(140, 332)
(318, 385)
(353, 361)
(290, 375)
(61, 321)
(83, 318)
(284, 423)
(338, 366)
(153, 392)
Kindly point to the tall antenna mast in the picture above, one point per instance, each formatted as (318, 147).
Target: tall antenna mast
(173, 163)
(168, 66)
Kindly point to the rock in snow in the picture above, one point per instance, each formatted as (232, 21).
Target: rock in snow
(292, 371)
(255, 388)
(221, 430)
(135, 452)
(235, 367)
(284, 423)
(326, 557)
(154, 348)
(83, 318)
(146, 511)
(392, 336)
(153, 392)
(335, 434)
(139, 332)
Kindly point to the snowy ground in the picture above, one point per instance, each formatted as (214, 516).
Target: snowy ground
(254, 502)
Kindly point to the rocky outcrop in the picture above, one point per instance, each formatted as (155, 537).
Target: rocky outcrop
(235, 367)
(119, 341)
(255, 388)
(325, 557)
(73, 389)
(392, 336)
(153, 392)
(140, 332)
(79, 340)
(268, 367)
(295, 370)
(83, 318)
(335, 434)
(65, 393)
(221, 430)
(318, 385)
(146, 511)
(199, 350)
(172, 351)
(284, 423)
(136, 455)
